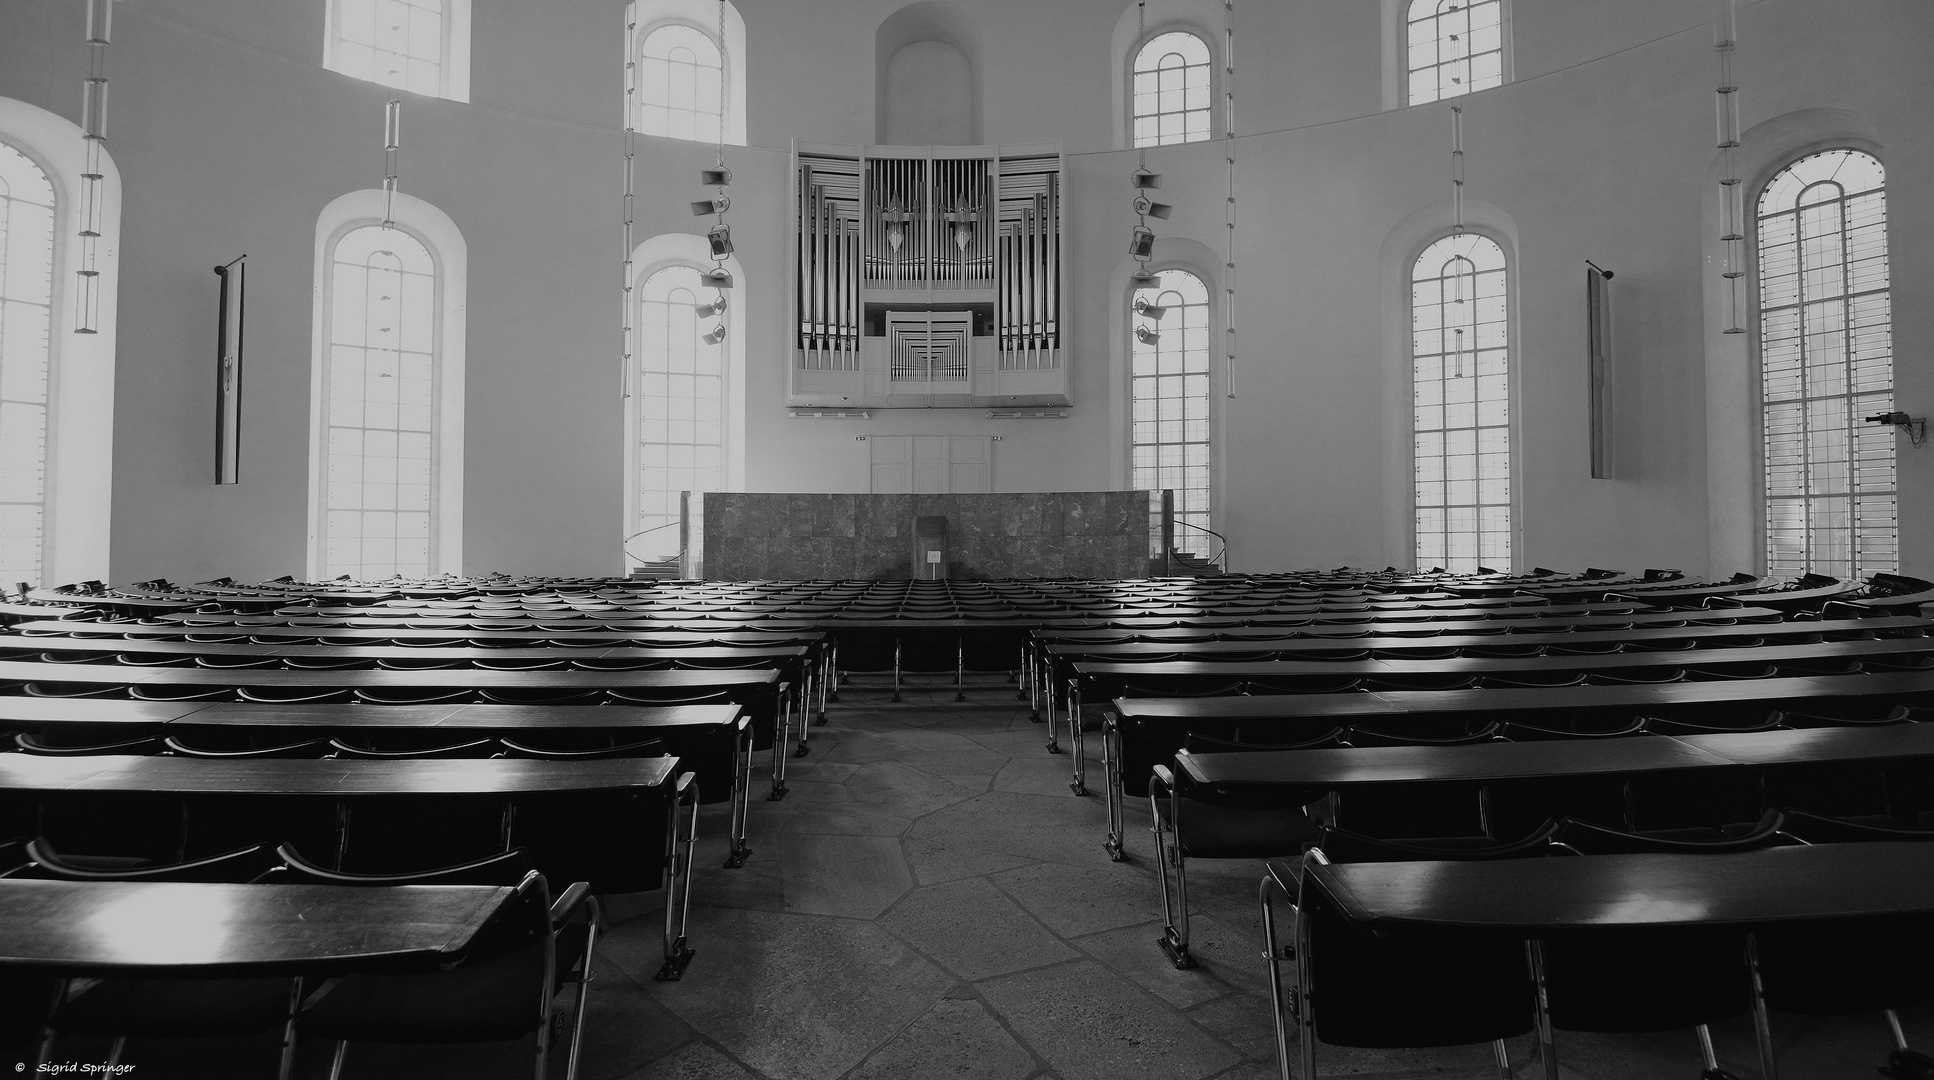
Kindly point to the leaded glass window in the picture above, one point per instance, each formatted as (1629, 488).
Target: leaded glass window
(399, 43)
(26, 319)
(680, 401)
(1461, 404)
(381, 416)
(1170, 95)
(1452, 47)
(1169, 385)
(1826, 362)
(680, 80)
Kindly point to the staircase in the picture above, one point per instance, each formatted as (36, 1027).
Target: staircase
(1184, 564)
(665, 569)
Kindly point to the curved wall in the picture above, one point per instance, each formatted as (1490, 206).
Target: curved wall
(231, 138)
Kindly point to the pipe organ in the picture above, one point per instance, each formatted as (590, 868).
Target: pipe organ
(927, 277)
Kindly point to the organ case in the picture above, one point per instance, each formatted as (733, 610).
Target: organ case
(927, 277)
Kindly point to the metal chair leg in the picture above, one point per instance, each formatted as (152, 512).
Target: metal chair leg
(678, 877)
(1547, 1047)
(285, 1064)
(1503, 1055)
(1079, 786)
(1175, 925)
(1762, 1024)
(737, 851)
(1111, 781)
(582, 1005)
(1019, 676)
(824, 680)
(793, 699)
(960, 671)
(335, 1062)
(1273, 956)
(896, 669)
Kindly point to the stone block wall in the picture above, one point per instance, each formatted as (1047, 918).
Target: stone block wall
(757, 535)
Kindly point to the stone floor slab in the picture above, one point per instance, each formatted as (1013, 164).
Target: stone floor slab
(1090, 1024)
(857, 877)
(973, 930)
(956, 1039)
(799, 997)
(1077, 900)
(933, 863)
(693, 1061)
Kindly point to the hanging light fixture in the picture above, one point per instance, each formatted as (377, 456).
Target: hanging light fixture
(392, 148)
(1148, 310)
(1146, 335)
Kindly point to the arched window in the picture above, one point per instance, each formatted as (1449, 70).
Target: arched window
(422, 46)
(1452, 47)
(1461, 394)
(680, 400)
(680, 77)
(1826, 361)
(1169, 387)
(387, 391)
(685, 79)
(1169, 95)
(27, 319)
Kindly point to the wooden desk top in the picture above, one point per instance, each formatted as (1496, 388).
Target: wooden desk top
(109, 648)
(432, 678)
(1349, 767)
(1500, 626)
(153, 928)
(1539, 896)
(1635, 699)
(15, 710)
(1155, 670)
(600, 638)
(1103, 644)
(330, 777)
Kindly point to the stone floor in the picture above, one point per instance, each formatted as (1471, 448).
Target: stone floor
(932, 901)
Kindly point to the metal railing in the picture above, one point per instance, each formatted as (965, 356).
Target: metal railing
(641, 560)
(1218, 560)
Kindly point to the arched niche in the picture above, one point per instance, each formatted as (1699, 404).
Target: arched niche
(927, 86)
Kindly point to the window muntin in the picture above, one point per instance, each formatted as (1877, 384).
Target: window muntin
(26, 321)
(680, 84)
(1461, 404)
(1170, 91)
(1826, 361)
(1452, 47)
(1169, 388)
(381, 418)
(680, 398)
(399, 43)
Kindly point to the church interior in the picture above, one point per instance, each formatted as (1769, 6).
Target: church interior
(997, 539)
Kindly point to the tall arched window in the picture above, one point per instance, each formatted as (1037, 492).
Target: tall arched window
(680, 400)
(1461, 394)
(680, 79)
(1826, 361)
(1169, 96)
(26, 355)
(685, 79)
(386, 436)
(382, 412)
(1169, 387)
(422, 46)
(1452, 47)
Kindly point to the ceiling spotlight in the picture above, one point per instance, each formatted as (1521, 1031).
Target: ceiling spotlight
(716, 307)
(1144, 179)
(716, 278)
(1152, 311)
(1146, 207)
(720, 237)
(717, 335)
(1146, 336)
(1141, 244)
(719, 177)
(1143, 277)
(717, 204)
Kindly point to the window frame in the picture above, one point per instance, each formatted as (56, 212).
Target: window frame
(702, 16)
(78, 487)
(1406, 405)
(449, 255)
(453, 71)
(1134, 52)
(1125, 335)
(1772, 168)
(652, 255)
(1397, 62)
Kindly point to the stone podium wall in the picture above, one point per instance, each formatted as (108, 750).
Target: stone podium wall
(753, 535)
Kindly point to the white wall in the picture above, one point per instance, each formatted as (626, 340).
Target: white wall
(231, 138)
